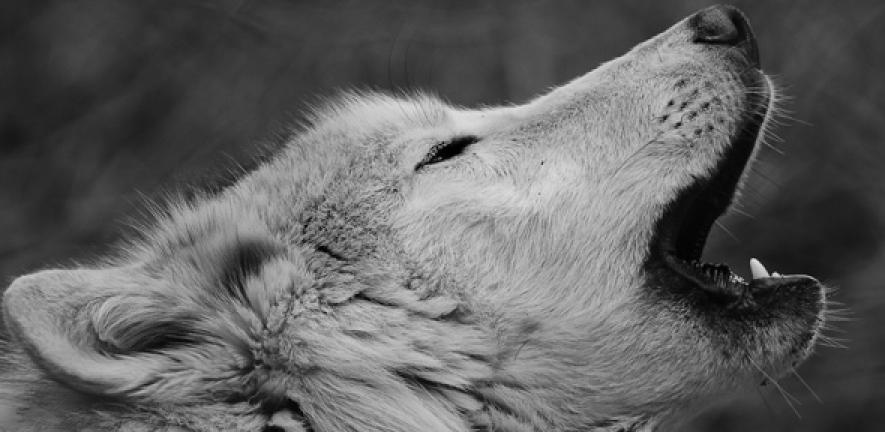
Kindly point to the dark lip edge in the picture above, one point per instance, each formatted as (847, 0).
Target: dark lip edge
(732, 166)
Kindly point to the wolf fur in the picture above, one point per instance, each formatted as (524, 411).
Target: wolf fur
(337, 288)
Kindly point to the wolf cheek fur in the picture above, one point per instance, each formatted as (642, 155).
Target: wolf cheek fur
(544, 276)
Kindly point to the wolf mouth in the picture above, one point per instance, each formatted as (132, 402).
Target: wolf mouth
(682, 231)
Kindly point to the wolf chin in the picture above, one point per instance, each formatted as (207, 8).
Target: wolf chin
(405, 265)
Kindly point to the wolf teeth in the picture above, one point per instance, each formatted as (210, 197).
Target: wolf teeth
(757, 269)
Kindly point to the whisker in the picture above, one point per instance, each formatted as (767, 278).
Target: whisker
(808, 387)
(788, 398)
(831, 342)
(735, 209)
(765, 139)
(727, 231)
(772, 135)
(838, 315)
(771, 411)
(798, 120)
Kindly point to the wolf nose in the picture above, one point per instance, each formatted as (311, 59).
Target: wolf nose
(725, 25)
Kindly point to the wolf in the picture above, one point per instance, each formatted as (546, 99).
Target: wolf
(405, 265)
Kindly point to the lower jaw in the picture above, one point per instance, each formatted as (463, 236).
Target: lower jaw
(771, 325)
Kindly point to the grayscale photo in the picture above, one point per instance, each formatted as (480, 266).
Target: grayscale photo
(442, 216)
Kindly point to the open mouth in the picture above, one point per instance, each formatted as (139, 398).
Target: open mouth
(683, 230)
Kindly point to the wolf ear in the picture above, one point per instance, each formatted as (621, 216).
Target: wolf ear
(118, 332)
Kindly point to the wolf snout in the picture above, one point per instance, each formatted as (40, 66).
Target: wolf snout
(725, 25)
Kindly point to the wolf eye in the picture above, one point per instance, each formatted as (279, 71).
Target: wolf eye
(446, 150)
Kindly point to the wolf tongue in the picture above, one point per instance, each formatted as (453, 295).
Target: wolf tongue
(757, 269)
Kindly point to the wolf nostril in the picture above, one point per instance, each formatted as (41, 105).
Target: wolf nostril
(718, 25)
(725, 25)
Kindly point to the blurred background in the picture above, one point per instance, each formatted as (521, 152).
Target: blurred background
(104, 103)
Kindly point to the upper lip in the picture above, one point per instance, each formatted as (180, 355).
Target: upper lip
(686, 222)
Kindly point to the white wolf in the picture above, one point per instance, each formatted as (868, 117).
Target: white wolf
(405, 265)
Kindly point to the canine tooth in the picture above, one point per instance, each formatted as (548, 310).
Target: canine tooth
(757, 269)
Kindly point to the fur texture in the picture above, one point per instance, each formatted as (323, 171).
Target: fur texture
(337, 288)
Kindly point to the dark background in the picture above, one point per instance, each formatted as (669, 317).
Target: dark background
(104, 103)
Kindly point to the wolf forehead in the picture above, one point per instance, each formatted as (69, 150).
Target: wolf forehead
(329, 178)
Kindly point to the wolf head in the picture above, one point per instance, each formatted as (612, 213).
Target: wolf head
(406, 265)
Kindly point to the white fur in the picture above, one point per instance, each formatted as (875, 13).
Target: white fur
(336, 288)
